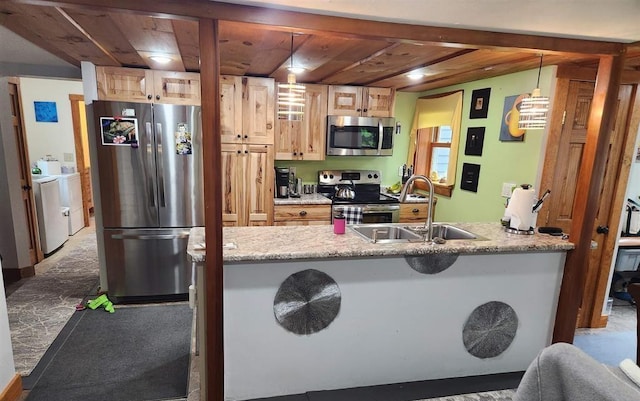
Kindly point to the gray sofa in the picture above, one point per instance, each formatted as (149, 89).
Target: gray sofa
(563, 372)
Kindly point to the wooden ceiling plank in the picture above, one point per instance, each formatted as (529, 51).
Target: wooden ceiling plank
(188, 43)
(49, 26)
(310, 23)
(150, 36)
(102, 28)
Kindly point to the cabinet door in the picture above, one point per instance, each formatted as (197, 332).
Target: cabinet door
(379, 102)
(302, 215)
(258, 112)
(258, 184)
(287, 139)
(314, 134)
(232, 184)
(124, 84)
(176, 87)
(345, 100)
(231, 109)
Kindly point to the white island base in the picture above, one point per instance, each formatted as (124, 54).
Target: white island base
(394, 324)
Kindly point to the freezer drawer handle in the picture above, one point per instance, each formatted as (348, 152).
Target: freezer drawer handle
(152, 192)
(160, 166)
(151, 236)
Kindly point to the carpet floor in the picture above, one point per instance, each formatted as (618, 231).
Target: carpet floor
(138, 353)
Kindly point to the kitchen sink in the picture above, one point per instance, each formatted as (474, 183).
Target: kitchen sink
(386, 233)
(394, 233)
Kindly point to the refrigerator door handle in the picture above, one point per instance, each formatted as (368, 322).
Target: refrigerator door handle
(181, 235)
(160, 166)
(152, 194)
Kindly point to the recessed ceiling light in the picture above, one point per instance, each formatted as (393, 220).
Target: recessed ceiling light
(296, 70)
(160, 59)
(415, 75)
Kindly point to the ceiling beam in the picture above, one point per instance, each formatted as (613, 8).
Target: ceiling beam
(357, 28)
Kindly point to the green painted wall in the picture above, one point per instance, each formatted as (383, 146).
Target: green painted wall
(514, 162)
(501, 162)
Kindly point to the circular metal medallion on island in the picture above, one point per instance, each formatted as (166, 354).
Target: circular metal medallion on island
(307, 302)
(431, 264)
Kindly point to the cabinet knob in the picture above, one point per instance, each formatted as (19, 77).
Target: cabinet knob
(239, 152)
(303, 213)
(269, 125)
(246, 151)
(239, 136)
(149, 97)
(365, 110)
(358, 110)
(415, 210)
(157, 97)
(295, 153)
(300, 153)
(246, 136)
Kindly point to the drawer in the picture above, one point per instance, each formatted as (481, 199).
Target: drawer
(302, 213)
(413, 212)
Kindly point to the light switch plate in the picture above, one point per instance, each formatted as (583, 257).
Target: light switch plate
(507, 189)
(68, 157)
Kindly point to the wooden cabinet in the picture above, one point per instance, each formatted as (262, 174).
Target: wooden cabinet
(140, 85)
(306, 139)
(247, 184)
(247, 110)
(295, 215)
(361, 101)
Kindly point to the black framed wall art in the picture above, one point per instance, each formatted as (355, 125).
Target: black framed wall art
(475, 140)
(480, 103)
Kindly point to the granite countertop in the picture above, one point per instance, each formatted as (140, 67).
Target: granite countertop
(312, 242)
(304, 199)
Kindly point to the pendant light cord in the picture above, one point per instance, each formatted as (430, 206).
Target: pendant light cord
(539, 70)
(291, 58)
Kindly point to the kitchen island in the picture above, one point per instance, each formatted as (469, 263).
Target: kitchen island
(307, 310)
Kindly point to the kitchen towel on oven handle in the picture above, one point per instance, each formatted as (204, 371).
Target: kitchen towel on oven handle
(352, 214)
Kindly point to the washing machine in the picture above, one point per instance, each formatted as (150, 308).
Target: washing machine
(52, 216)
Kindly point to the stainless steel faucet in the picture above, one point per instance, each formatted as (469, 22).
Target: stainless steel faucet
(428, 225)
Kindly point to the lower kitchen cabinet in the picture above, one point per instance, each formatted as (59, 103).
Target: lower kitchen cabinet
(247, 185)
(302, 215)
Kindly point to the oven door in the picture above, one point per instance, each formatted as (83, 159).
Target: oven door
(374, 213)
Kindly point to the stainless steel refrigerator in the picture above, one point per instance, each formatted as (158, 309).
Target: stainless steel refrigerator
(149, 161)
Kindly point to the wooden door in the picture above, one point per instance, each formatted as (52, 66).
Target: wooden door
(231, 109)
(561, 168)
(379, 102)
(80, 138)
(345, 100)
(232, 184)
(176, 87)
(562, 160)
(258, 110)
(608, 217)
(124, 84)
(24, 170)
(314, 133)
(259, 183)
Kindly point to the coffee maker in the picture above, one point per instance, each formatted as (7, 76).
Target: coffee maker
(282, 182)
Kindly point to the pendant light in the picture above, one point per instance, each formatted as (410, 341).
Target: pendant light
(534, 108)
(291, 95)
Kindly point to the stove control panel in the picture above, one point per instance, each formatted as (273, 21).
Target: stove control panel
(335, 177)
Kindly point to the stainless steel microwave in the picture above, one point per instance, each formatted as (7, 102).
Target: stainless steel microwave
(360, 136)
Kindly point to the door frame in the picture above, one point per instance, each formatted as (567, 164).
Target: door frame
(78, 132)
(590, 313)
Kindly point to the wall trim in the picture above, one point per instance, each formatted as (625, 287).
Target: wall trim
(13, 390)
(13, 275)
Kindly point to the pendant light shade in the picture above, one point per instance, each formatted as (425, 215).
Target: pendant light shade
(291, 95)
(534, 108)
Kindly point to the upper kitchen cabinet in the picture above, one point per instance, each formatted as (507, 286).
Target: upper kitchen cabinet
(305, 139)
(247, 110)
(361, 101)
(152, 86)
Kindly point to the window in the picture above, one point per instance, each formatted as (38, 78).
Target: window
(433, 148)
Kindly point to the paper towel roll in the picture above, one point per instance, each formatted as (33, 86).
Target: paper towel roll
(520, 208)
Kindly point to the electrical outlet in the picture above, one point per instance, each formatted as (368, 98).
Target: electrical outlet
(400, 171)
(507, 189)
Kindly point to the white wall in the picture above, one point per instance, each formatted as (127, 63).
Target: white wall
(55, 139)
(7, 368)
